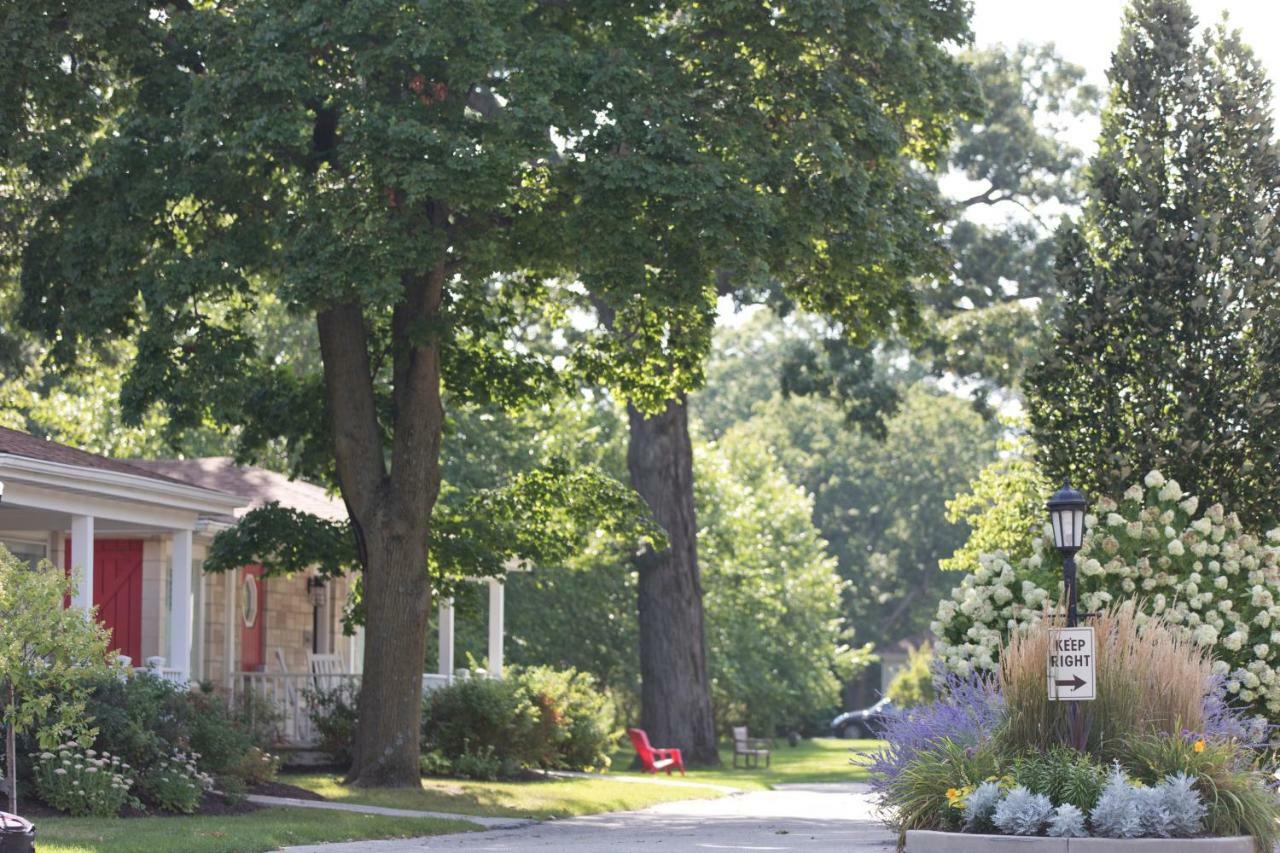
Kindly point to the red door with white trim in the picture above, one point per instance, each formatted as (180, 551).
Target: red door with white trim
(117, 592)
(253, 606)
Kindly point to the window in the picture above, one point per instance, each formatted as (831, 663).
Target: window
(31, 552)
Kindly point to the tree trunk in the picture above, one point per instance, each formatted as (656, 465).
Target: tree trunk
(675, 693)
(397, 601)
(390, 508)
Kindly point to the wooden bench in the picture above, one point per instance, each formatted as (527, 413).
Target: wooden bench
(750, 749)
(652, 760)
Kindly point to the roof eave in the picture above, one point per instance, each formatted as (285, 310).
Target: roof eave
(117, 484)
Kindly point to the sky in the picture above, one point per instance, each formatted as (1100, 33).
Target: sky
(1087, 31)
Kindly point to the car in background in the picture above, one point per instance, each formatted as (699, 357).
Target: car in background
(866, 723)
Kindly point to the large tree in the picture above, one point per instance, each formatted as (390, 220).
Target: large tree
(387, 171)
(1167, 350)
(764, 147)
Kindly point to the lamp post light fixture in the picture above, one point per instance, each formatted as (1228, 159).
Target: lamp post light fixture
(1066, 512)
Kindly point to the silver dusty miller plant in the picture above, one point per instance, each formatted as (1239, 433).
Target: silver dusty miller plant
(1023, 813)
(1067, 822)
(980, 807)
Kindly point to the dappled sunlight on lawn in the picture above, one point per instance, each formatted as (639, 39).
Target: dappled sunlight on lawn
(534, 798)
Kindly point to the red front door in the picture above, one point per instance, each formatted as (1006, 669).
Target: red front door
(117, 592)
(253, 606)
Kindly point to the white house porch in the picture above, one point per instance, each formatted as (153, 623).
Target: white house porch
(289, 695)
(127, 535)
(136, 533)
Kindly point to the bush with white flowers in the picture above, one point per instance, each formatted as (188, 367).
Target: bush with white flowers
(82, 782)
(175, 784)
(1200, 570)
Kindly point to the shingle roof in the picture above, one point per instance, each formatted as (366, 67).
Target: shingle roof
(257, 485)
(17, 443)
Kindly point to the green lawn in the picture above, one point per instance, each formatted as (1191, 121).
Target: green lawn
(819, 760)
(263, 830)
(536, 799)
(815, 760)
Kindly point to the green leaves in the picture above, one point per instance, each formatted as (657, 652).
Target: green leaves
(1164, 357)
(49, 654)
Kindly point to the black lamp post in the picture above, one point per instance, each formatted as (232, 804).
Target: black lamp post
(1066, 511)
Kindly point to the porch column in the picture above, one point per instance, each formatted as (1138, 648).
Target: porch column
(446, 637)
(182, 605)
(497, 614)
(230, 580)
(82, 559)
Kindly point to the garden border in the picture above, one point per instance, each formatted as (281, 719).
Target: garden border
(929, 841)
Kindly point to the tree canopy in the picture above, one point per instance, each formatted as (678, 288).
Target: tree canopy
(1166, 351)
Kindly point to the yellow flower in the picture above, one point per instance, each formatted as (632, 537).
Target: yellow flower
(1198, 746)
(952, 793)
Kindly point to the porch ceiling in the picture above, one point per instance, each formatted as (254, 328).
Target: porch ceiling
(16, 520)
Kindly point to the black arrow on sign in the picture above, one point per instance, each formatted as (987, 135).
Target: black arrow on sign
(1075, 683)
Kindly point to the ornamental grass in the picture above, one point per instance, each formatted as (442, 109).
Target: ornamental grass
(1149, 679)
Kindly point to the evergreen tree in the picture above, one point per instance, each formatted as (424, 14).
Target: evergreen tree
(1166, 352)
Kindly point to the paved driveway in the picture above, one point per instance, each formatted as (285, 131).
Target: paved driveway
(812, 818)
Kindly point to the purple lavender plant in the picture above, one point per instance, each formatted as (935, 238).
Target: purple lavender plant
(1225, 721)
(966, 712)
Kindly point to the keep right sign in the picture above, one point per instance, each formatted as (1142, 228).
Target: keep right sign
(1071, 664)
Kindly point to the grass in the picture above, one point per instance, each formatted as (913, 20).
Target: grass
(549, 798)
(819, 760)
(267, 829)
(814, 760)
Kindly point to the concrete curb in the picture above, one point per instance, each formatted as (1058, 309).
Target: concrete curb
(486, 822)
(926, 841)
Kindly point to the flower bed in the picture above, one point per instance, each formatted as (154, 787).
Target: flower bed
(1161, 753)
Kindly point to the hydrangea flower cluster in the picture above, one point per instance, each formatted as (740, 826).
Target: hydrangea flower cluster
(83, 782)
(1199, 570)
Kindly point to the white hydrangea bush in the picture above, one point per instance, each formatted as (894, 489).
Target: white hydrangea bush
(1200, 570)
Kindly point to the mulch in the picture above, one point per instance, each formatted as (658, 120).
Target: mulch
(282, 789)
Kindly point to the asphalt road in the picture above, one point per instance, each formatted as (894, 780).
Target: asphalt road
(812, 818)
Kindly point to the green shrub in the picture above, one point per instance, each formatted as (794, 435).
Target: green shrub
(145, 720)
(483, 765)
(434, 763)
(482, 717)
(257, 767)
(913, 685)
(1063, 775)
(537, 717)
(575, 718)
(175, 784)
(333, 713)
(83, 782)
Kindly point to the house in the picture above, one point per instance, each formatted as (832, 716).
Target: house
(137, 531)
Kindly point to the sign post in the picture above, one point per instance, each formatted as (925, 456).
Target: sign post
(1072, 665)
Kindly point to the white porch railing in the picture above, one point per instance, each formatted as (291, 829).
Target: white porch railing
(289, 697)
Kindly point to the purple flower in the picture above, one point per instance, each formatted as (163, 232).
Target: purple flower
(1225, 721)
(966, 713)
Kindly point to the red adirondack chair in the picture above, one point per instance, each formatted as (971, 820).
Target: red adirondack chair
(652, 759)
